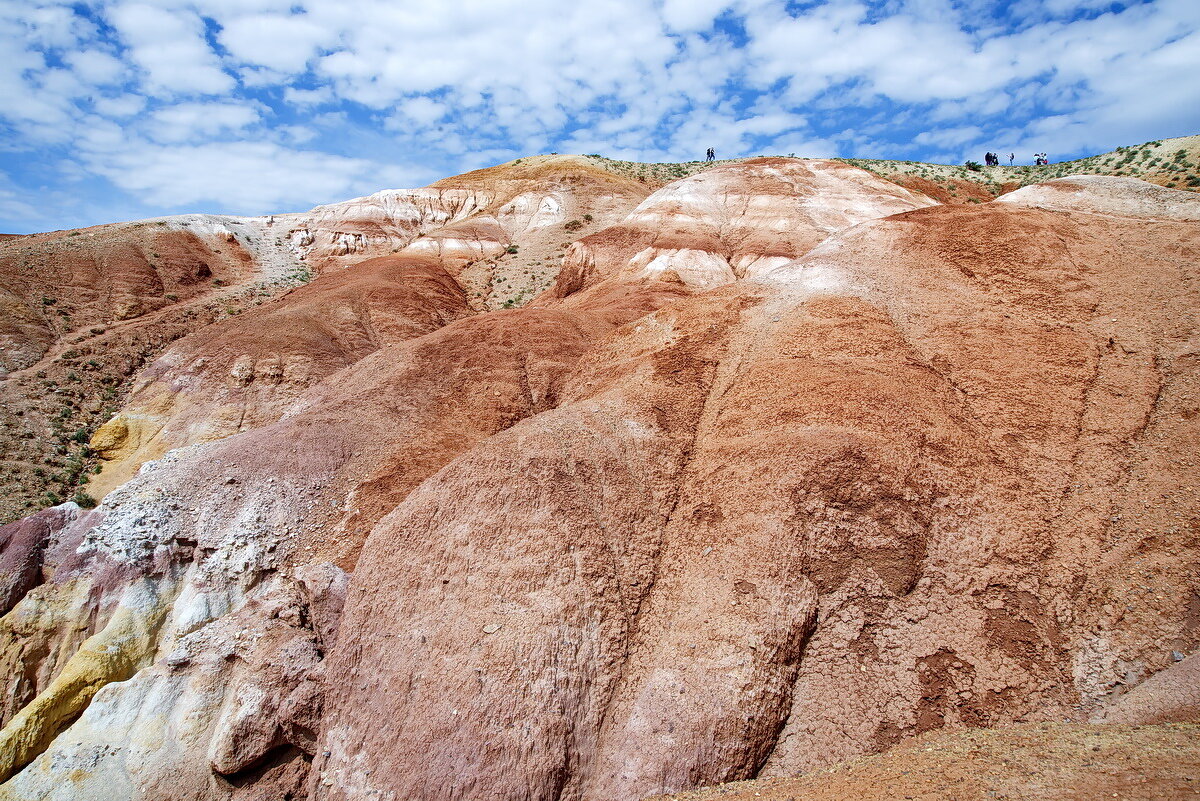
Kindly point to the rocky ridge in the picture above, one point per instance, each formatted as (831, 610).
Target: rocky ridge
(777, 436)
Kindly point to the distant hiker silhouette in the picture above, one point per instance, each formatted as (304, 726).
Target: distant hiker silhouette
(710, 155)
(1011, 156)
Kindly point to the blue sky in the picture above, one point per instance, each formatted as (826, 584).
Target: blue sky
(121, 110)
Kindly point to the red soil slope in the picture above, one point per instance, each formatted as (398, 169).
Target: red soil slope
(247, 372)
(926, 457)
(775, 502)
(1073, 763)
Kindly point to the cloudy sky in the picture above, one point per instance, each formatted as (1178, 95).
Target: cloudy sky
(121, 110)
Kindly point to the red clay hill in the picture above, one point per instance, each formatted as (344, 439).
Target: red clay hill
(550, 481)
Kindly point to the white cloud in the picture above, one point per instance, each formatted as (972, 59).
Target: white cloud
(278, 41)
(191, 121)
(96, 67)
(470, 82)
(241, 177)
(13, 206)
(423, 110)
(297, 134)
(950, 137)
(169, 45)
(118, 107)
(692, 15)
(308, 97)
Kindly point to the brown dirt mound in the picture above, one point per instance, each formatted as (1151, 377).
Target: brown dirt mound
(950, 191)
(53, 284)
(1020, 762)
(82, 312)
(246, 373)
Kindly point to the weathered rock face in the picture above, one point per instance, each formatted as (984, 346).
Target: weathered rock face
(85, 310)
(91, 308)
(912, 460)
(52, 284)
(875, 475)
(246, 373)
(207, 529)
(735, 221)
(466, 218)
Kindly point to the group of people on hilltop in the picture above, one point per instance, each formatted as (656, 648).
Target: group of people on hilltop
(993, 160)
(990, 159)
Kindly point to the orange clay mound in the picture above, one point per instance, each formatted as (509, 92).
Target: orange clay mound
(1074, 763)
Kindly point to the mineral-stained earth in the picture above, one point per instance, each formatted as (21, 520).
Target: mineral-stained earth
(551, 482)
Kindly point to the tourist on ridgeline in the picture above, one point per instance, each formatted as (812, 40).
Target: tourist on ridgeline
(1011, 157)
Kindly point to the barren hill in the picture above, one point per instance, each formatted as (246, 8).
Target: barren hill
(560, 481)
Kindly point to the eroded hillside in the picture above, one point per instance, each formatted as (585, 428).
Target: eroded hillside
(85, 310)
(555, 484)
